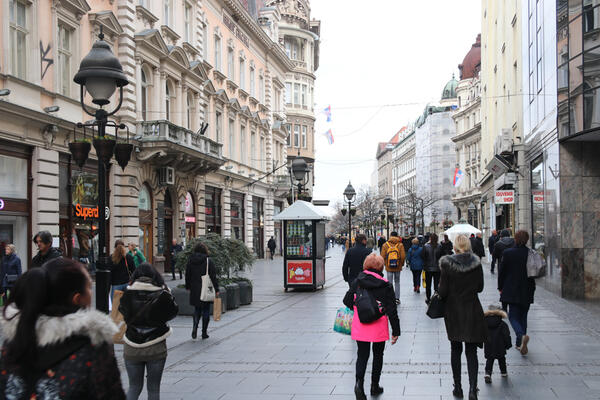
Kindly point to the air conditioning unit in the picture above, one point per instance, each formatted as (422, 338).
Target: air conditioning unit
(504, 143)
(166, 176)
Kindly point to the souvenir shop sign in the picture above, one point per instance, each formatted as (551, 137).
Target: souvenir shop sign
(504, 197)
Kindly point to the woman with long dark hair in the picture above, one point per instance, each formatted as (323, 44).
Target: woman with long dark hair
(195, 269)
(55, 345)
(121, 268)
(147, 305)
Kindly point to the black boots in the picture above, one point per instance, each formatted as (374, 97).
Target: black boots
(458, 392)
(375, 388)
(359, 390)
(195, 328)
(204, 328)
(473, 393)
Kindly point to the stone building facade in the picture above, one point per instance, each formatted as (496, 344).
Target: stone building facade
(204, 107)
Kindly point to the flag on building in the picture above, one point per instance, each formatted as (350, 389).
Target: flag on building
(329, 136)
(458, 177)
(327, 112)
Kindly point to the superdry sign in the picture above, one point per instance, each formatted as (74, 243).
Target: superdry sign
(504, 197)
(86, 212)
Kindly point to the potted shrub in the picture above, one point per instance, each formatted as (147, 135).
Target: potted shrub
(245, 290)
(105, 147)
(123, 154)
(80, 150)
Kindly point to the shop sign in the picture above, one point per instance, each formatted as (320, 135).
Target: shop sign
(300, 272)
(86, 212)
(160, 227)
(1, 204)
(84, 188)
(190, 219)
(504, 197)
(538, 196)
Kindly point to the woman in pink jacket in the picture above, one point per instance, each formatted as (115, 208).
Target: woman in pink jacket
(376, 332)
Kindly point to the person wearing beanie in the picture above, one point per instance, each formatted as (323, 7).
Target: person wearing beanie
(497, 343)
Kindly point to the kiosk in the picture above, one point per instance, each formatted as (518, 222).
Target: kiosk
(303, 245)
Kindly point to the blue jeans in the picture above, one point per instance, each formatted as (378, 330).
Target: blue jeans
(203, 310)
(517, 315)
(135, 371)
(395, 277)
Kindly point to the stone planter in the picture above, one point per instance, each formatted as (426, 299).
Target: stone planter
(182, 297)
(233, 296)
(245, 292)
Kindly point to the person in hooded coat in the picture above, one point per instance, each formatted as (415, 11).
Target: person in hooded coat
(195, 269)
(376, 332)
(414, 260)
(497, 343)
(460, 282)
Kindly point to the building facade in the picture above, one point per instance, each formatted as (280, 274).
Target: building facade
(385, 166)
(204, 107)
(467, 196)
(404, 179)
(299, 35)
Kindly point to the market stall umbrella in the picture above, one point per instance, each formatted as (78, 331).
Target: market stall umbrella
(461, 228)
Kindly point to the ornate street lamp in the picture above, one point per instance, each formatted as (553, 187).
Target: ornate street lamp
(300, 173)
(349, 194)
(388, 203)
(100, 74)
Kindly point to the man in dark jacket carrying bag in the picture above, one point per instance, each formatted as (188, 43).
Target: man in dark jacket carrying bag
(354, 259)
(46, 252)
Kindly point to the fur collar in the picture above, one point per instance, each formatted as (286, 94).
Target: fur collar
(495, 313)
(460, 263)
(143, 286)
(52, 330)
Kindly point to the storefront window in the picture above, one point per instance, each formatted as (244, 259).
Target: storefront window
(258, 225)
(145, 231)
(212, 209)
(537, 204)
(237, 215)
(13, 177)
(83, 237)
(190, 217)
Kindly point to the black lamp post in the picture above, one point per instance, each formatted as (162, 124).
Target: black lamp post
(349, 194)
(100, 73)
(300, 173)
(388, 203)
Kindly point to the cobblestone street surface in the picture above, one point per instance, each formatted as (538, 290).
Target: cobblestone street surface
(282, 346)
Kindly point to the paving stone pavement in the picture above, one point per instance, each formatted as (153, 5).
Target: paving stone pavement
(282, 346)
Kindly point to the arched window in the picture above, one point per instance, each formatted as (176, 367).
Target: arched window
(144, 95)
(144, 203)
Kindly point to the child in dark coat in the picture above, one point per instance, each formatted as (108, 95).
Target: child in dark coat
(498, 341)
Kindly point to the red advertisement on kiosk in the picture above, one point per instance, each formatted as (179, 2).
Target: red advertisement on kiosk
(300, 272)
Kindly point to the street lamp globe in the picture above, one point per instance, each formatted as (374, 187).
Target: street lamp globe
(299, 168)
(349, 192)
(100, 72)
(388, 202)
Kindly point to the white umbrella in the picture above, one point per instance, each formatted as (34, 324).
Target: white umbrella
(461, 229)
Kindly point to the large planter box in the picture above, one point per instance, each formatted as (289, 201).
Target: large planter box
(182, 297)
(245, 292)
(233, 296)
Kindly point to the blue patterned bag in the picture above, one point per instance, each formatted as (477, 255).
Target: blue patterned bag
(343, 321)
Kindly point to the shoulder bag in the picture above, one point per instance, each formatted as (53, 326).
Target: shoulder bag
(207, 294)
(437, 307)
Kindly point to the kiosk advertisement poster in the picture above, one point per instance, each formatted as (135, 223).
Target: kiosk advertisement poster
(300, 272)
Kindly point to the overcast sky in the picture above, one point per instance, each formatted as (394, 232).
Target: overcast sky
(376, 53)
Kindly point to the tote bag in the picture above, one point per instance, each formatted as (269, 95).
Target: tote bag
(343, 321)
(207, 294)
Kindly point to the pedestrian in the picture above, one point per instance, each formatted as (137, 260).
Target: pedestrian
(176, 248)
(414, 260)
(11, 268)
(147, 305)
(407, 242)
(491, 242)
(432, 252)
(46, 252)
(516, 288)
(354, 259)
(461, 279)
(272, 246)
(505, 242)
(121, 266)
(195, 269)
(477, 246)
(55, 345)
(380, 242)
(371, 243)
(377, 332)
(394, 256)
(446, 246)
(136, 254)
(497, 343)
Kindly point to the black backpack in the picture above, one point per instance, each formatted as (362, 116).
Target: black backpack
(369, 309)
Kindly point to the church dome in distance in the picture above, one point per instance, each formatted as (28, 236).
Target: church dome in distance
(472, 62)
(450, 89)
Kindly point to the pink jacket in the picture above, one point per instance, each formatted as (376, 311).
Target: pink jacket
(376, 331)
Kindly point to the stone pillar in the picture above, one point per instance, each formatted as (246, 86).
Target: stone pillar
(201, 213)
(138, 89)
(179, 112)
(44, 194)
(163, 94)
(155, 99)
(226, 213)
(269, 223)
(123, 202)
(196, 114)
(249, 225)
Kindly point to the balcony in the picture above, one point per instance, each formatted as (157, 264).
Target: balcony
(166, 144)
(299, 64)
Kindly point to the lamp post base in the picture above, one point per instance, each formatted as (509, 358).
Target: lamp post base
(102, 284)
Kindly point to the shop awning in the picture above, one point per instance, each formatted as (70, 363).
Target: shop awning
(302, 210)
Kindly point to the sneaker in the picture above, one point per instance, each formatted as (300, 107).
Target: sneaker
(524, 349)
(487, 378)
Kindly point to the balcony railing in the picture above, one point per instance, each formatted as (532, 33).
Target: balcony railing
(299, 64)
(163, 130)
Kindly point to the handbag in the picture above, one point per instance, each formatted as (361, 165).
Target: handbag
(536, 265)
(343, 320)
(207, 294)
(10, 279)
(437, 307)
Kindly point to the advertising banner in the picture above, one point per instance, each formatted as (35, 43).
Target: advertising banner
(504, 197)
(300, 272)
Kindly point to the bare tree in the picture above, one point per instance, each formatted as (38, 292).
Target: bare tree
(338, 223)
(367, 209)
(411, 206)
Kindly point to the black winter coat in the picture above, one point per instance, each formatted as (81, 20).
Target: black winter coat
(382, 291)
(498, 335)
(431, 257)
(11, 265)
(491, 242)
(75, 358)
(41, 259)
(120, 273)
(381, 242)
(271, 244)
(501, 245)
(196, 267)
(477, 247)
(447, 248)
(460, 281)
(513, 282)
(353, 261)
(147, 309)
